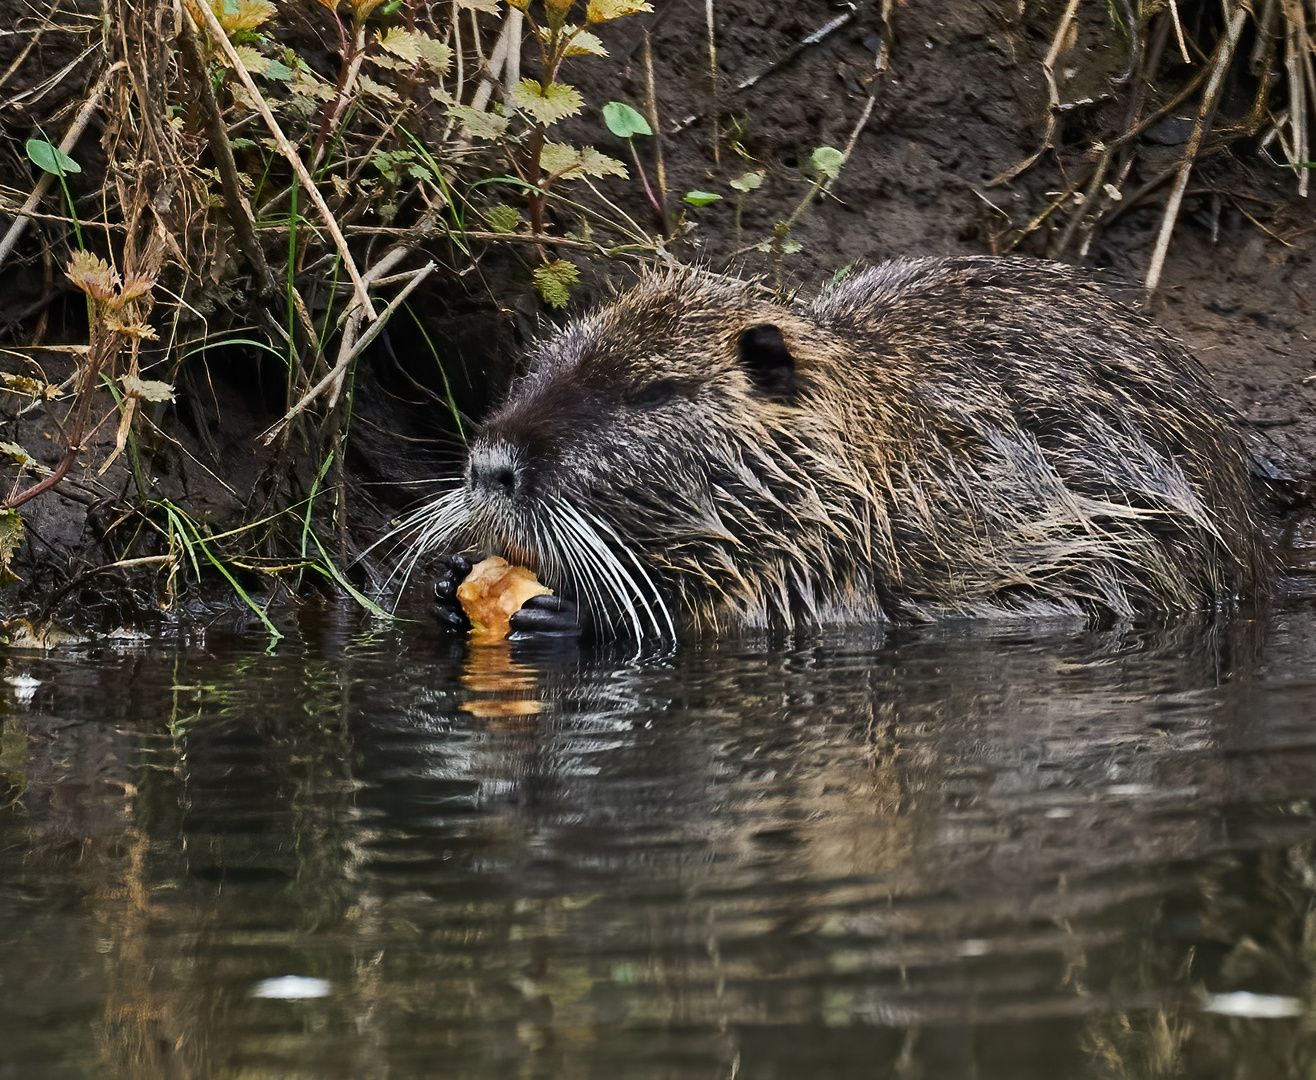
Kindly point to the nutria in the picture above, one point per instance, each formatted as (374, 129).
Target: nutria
(936, 437)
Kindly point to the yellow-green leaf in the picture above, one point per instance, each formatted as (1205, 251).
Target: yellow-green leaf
(21, 456)
(251, 59)
(478, 123)
(568, 163)
(548, 104)
(585, 44)
(553, 281)
(748, 182)
(502, 218)
(236, 16)
(434, 54)
(402, 44)
(607, 10)
(379, 90)
(11, 535)
(828, 161)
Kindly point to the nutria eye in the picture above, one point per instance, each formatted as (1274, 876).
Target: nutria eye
(654, 394)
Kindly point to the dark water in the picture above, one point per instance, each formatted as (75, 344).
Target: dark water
(972, 852)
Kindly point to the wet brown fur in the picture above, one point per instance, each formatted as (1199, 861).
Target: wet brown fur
(963, 436)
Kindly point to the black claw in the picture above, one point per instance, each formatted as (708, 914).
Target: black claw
(546, 616)
(448, 612)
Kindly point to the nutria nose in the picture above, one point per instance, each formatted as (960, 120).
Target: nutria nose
(492, 470)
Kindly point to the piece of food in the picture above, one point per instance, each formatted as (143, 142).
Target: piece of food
(492, 593)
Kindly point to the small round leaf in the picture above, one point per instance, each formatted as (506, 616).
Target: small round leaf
(828, 161)
(623, 121)
(701, 198)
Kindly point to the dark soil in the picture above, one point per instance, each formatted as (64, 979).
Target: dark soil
(961, 101)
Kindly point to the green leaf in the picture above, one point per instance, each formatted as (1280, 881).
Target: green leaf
(750, 181)
(278, 71)
(623, 121)
(701, 198)
(478, 123)
(828, 161)
(548, 104)
(51, 158)
(502, 218)
(553, 281)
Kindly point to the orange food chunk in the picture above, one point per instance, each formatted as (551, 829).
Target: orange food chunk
(492, 593)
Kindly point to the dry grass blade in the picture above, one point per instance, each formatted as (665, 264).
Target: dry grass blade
(290, 153)
(1210, 99)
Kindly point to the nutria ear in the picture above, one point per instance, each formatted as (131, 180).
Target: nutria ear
(766, 359)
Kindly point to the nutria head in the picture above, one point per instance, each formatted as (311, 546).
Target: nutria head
(665, 453)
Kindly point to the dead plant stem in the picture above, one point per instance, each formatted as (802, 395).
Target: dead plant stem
(289, 151)
(1210, 98)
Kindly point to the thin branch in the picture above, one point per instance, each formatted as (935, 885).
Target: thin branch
(66, 144)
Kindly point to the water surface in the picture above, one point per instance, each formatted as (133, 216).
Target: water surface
(1006, 853)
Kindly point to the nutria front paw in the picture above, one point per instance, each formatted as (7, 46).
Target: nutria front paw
(547, 616)
(447, 608)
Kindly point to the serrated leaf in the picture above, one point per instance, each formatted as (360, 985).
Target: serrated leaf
(434, 54)
(625, 122)
(93, 275)
(402, 44)
(502, 218)
(548, 104)
(607, 10)
(379, 90)
(595, 163)
(566, 162)
(585, 44)
(553, 281)
(239, 16)
(701, 198)
(11, 536)
(478, 123)
(828, 161)
(22, 384)
(251, 59)
(17, 453)
(750, 181)
(147, 389)
(50, 158)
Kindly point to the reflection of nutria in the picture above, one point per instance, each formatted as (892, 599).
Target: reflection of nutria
(941, 437)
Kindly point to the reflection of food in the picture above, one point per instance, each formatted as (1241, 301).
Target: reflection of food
(492, 593)
(502, 690)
